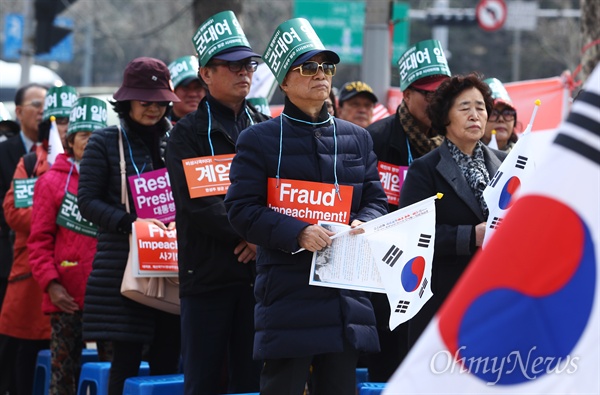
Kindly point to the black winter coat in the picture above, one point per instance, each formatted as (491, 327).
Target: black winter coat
(108, 315)
(293, 318)
(205, 238)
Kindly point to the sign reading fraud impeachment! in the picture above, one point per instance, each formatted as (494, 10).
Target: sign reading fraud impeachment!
(218, 33)
(154, 250)
(291, 39)
(310, 201)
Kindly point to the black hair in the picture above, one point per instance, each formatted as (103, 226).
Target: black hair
(443, 99)
(22, 90)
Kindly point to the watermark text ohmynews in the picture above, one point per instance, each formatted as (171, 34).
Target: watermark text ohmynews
(515, 363)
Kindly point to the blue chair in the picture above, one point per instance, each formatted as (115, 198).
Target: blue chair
(371, 388)
(95, 375)
(43, 372)
(362, 375)
(171, 384)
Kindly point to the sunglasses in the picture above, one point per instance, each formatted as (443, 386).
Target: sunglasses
(158, 103)
(237, 66)
(428, 94)
(309, 69)
(507, 115)
(35, 104)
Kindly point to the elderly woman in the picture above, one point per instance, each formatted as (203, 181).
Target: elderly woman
(142, 104)
(502, 119)
(61, 249)
(299, 325)
(460, 168)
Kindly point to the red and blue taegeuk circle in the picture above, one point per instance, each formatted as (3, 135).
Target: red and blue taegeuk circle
(527, 298)
(507, 194)
(412, 273)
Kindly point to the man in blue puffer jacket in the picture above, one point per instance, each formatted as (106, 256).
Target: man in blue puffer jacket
(279, 163)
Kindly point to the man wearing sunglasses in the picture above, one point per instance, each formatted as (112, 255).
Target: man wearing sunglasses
(216, 266)
(397, 141)
(302, 330)
(503, 118)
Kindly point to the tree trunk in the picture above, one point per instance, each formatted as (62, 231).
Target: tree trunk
(590, 33)
(204, 9)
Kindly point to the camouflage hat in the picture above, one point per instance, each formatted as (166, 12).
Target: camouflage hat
(422, 60)
(58, 101)
(87, 115)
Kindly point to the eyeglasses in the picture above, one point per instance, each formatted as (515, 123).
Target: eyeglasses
(35, 104)
(236, 67)
(158, 103)
(428, 94)
(309, 69)
(507, 115)
(62, 120)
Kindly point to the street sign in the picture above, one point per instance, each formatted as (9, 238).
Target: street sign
(522, 15)
(13, 33)
(338, 24)
(491, 14)
(401, 22)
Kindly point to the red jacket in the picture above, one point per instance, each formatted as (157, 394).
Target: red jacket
(55, 252)
(22, 315)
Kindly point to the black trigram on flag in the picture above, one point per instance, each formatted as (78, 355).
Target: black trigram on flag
(424, 240)
(402, 306)
(425, 282)
(391, 257)
(496, 178)
(521, 162)
(495, 222)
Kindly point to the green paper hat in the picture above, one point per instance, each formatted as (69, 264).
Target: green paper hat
(424, 59)
(292, 39)
(87, 115)
(221, 32)
(183, 69)
(58, 102)
(499, 92)
(261, 104)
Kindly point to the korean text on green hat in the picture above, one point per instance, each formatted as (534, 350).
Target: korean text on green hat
(183, 68)
(58, 101)
(291, 39)
(218, 33)
(424, 59)
(87, 115)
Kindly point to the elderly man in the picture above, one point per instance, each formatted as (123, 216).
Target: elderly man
(216, 266)
(356, 102)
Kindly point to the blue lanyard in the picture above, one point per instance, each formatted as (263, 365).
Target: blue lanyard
(410, 157)
(212, 150)
(131, 155)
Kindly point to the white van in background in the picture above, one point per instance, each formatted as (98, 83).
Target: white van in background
(10, 79)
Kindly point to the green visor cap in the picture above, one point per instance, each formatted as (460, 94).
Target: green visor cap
(218, 33)
(58, 101)
(261, 104)
(183, 69)
(424, 59)
(87, 115)
(292, 39)
(499, 92)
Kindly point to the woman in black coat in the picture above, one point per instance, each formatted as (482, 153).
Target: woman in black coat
(141, 103)
(460, 168)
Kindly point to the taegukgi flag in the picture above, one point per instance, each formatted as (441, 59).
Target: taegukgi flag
(525, 316)
(55, 146)
(504, 187)
(402, 247)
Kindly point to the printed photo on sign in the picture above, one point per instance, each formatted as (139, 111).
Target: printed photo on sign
(152, 195)
(310, 201)
(154, 250)
(207, 175)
